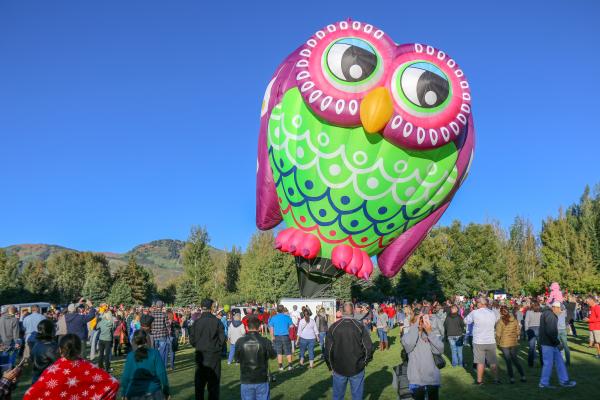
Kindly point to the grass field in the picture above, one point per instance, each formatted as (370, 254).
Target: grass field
(457, 383)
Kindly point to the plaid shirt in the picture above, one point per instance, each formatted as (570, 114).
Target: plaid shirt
(159, 329)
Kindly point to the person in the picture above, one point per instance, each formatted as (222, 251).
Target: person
(207, 336)
(307, 335)
(159, 331)
(144, 375)
(295, 315)
(562, 334)
(105, 326)
(77, 323)
(236, 330)
(134, 326)
(8, 382)
(30, 324)
(437, 318)
(71, 376)
(279, 326)
(571, 307)
(507, 337)
(593, 320)
(484, 342)
(532, 329)
(454, 327)
(119, 335)
(10, 335)
(348, 350)
(45, 350)
(551, 348)
(253, 352)
(322, 326)
(382, 327)
(420, 343)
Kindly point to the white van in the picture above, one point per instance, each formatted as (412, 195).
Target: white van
(44, 307)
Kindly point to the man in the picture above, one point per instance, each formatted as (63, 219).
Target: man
(484, 340)
(10, 332)
(295, 315)
(348, 350)
(253, 352)
(594, 323)
(30, 324)
(159, 331)
(207, 337)
(279, 326)
(322, 327)
(77, 323)
(551, 349)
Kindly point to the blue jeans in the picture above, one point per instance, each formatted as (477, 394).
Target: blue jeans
(532, 344)
(171, 353)
(457, 351)
(310, 344)
(382, 335)
(231, 353)
(162, 345)
(552, 356)
(562, 336)
(391, 323)
(255, 391)
(357, 386)
(322, 343)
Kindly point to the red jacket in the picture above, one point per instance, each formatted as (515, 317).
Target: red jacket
(390, 311)
(594, 318)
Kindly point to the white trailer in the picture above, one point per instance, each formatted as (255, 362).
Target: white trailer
(314, 304)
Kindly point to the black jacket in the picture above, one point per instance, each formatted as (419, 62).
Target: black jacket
(207, 334)
(348, 347)
(43, 354)
(253, 352)
(454, 325)
(570, 311)
(321, 321)
(549, 329)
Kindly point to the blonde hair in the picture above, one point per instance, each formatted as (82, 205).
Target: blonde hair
(107, 315)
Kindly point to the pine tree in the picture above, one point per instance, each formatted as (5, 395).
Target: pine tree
(139, 279)
(234, 260)
(186, 294)
(67, 273)
(197, 262)
(9, 278)
(98, 280)
(121, 293)
(36, 280)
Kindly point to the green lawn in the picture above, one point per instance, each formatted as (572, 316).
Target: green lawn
(457, 383)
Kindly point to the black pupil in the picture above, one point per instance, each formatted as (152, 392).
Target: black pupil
(358, 64)
(430, 82)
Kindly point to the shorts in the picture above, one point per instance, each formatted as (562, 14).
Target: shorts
(283, 345)
(483, 353)
(595, 337)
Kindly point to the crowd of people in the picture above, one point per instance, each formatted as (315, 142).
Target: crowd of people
(70, 350)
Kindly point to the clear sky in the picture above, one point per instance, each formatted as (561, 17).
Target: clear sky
(123, 122)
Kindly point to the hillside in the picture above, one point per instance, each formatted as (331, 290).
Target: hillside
(162, 257)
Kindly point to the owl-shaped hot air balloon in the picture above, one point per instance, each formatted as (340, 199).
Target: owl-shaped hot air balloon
(362, 145)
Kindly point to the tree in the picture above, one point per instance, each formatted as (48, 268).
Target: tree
(168, 293)
(197, 262)
(139, 279)
(36, 280)
(234, 263)
(9, 278)
(98, 280)
(67, 273)
(186, 294)
(121, 293)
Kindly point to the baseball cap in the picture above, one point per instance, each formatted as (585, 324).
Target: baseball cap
(556, 304)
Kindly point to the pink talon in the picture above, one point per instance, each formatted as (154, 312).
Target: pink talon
(282, 239)
(341, 256)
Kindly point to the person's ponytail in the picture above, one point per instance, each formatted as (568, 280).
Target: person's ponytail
(140, 339)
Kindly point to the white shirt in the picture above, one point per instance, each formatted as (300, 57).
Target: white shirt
(295, 315)
(484, 321)
(307, 330)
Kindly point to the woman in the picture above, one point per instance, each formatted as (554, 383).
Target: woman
(571, 308)
(307, 335)
(382, 328)
(454, 326)
(236, 330)
(532, 330)
(507, 337)
(105, 327)
(134, 326)
(144, 376)
(408, 314)
(71, 376)
(45, 351)
(420, 344)
(118, 336)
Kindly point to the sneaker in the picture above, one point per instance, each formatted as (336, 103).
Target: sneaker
(597, 356)
(568, 384)
(512, 380)
(228, 363)
(289, 367)
(281, 368)
(542, 386)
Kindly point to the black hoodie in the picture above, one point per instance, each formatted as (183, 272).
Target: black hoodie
(549, 328)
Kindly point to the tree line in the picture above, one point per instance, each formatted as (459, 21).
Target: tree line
(453, 260)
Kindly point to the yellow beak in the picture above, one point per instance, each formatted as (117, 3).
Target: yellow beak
(376, 109)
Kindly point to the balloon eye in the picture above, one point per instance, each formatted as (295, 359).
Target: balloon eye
(351, 60)
(424, 86)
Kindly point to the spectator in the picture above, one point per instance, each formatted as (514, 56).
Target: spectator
(562, 333)
(507, 337)
(253, 352)
(45, 351)
(484, 342)
(594, 323)
(105, 326)
(420, 343)
(532, 330)
(382, 327)
(236, 330)
(279, 326)
(8, 382)
(454, 326)
(322, 326)
(77, 323)
(437, 321)
(70, 376)
(144, 376)
(159, 331)
(30, 324)
(307, 335)
(348, 350)
(571, 306)
(119, 335)
(10, 335)
(134, 326)
(207, 337)
(551, 348)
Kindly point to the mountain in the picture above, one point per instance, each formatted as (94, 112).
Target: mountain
(162, 257)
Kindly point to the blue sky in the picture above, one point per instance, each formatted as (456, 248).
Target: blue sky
(127, 121)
